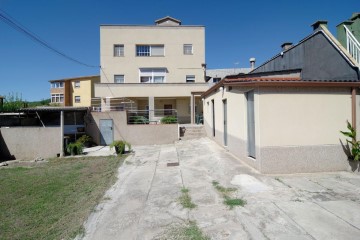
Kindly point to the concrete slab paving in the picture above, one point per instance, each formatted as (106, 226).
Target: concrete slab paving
(318, 222)
(143, 204)
(348, 211)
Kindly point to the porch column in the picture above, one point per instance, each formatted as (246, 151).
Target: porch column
(192, 109)
(151, 108)
(107, 104)
(61, 133)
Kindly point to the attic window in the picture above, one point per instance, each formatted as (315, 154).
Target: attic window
(168, 21)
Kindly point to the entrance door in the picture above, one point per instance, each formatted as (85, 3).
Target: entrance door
(213, 116)
(168, 109)
(106, 132)
(225, 122)
(251, 123)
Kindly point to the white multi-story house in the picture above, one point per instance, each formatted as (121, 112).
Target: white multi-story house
(155, 67)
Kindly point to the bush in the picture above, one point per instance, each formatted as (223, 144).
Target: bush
(354, 143)
(169, 120)
(139, 120)
(119, 146)
(84, 139)
(75, 148)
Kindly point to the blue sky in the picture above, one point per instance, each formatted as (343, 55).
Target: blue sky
(235, 31)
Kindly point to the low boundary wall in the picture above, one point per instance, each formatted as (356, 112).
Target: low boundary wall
(137, 134)
(26, 143)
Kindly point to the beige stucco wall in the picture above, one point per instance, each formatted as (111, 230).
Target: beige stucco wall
(296, 129)
(177, 64)
(303, 117)
(236, 121)
(28, 143)
(134, 134)
(145, 90)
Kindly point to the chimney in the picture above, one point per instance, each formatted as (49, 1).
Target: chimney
(285, 46)
(252, 63)
(319, 24)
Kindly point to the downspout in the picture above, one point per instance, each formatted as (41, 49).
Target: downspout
(61, 133)
(353, 107)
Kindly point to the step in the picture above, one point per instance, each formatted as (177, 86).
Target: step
(193, 132)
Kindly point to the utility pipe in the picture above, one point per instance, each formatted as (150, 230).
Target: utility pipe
(353, 107)
(61, 133)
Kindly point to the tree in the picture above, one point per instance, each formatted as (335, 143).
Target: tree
(12, 102)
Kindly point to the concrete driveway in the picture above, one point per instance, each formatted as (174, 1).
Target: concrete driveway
(143, 203)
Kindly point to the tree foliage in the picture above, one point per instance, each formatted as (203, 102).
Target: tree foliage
(12, 102)
(353, 142)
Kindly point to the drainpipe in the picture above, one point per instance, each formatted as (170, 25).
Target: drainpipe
(61, 133)
(353, 107)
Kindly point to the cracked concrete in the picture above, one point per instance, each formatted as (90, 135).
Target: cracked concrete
(143, 202)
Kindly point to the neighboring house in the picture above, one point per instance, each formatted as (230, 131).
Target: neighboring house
(76, 92)
(285, 116)
(154, 67)
(348, 34)
(214, 76)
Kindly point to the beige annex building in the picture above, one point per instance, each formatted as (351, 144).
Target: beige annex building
(286, 115)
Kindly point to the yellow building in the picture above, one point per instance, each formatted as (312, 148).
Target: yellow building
(76, 92)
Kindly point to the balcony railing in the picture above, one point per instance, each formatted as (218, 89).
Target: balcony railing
(112, 104)
(352, 45)
(156, 116)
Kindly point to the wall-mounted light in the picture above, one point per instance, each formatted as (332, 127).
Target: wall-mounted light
(221, 89)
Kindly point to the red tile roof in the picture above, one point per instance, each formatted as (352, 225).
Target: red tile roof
(262, 79)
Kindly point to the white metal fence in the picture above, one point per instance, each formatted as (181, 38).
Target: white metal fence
(352, 45)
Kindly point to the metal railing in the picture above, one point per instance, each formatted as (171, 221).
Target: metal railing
(156, 116)
(352, 45)
(112, 104)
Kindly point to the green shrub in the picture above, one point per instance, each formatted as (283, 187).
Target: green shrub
(75, 148)
(119, 146)
(169, 120)
(354, 143)
(139, 120)
(84, 139)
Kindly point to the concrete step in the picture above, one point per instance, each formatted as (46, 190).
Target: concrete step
(193, 132)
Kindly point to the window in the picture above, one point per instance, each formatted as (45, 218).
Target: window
(190, 78)
(215, 80)
(118, 50)
(77, 99)
(150, 50)
(77, 84)
(188, 49)
(57, 84)
(118, 78)
(57, 98)
(152, 75)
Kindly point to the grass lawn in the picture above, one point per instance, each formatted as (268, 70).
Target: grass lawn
(52, 200)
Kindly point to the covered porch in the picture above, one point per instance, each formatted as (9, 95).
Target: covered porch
(187, 109)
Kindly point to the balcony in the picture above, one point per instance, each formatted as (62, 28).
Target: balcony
(352, 45)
